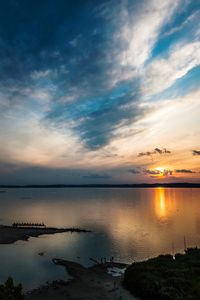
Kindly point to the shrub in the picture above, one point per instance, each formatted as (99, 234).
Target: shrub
(164, 278)
(8, 291)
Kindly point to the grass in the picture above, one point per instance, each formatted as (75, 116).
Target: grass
(165, 278)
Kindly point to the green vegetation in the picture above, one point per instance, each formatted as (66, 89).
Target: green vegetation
(8, 291)
(165, 278)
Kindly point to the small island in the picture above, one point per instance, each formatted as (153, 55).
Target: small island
(16, 232)
(166, 277)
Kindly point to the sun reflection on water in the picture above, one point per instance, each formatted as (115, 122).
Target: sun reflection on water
(165, 203)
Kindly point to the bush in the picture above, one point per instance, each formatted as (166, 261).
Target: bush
(8, 291)
(164, 278)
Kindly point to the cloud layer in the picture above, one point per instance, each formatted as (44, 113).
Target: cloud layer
(98, 84)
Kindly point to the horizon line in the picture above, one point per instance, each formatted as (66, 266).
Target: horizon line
(90, 185)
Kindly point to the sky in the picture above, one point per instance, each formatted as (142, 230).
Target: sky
(97, 91)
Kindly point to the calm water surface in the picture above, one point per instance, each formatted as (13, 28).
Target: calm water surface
(129, 224)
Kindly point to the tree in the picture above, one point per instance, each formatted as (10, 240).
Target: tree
(8, 291)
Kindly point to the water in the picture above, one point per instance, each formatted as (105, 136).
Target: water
(128, 224)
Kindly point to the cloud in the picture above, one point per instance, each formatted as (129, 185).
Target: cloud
(164, 71)
(148, 153)
(97, 119)
(179, 27)
(91, 94)
(152, 172)
(166, 151)
(155, 151)
(40, 74)
(69, 90)
(97, 176)
(134, 171)
(196, 152)
(165, 172)
(7, 168)
(184, 171)
(161, 151)
(15, 174)
(139, 31)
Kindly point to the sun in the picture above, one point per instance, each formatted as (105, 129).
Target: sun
(161, 172)
(160, 169)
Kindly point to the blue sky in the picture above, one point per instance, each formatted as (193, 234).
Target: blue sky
(85, 86)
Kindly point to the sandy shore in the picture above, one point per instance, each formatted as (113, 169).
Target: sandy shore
(9, 234)
(92, 283)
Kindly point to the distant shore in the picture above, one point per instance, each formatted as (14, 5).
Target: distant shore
(10, 234)
(134, 185)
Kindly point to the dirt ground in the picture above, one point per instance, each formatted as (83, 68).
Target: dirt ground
(92, 283)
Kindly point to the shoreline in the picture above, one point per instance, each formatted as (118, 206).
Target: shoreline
(10, 235)
(86, 283)
(175, 277)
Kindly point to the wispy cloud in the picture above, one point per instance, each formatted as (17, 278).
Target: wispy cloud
(40, 74)
(191, 18)
(140, 30)
(164, 71)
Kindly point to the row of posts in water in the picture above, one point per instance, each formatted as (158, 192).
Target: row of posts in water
(27, 224)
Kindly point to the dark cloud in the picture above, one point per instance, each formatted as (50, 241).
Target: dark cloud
(165, 172)
(184, 171)
(13, 174)
(152, 172)
(161, 151)
(6, 168)
(148, 153)
(134, 171)
(166, 151)
(155, 151)
(43, 45)
(95, 119)
(196, 152)
(98, 176)
(52, 50)
(98, 127)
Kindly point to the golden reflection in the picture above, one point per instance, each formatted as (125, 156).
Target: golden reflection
(164, 205)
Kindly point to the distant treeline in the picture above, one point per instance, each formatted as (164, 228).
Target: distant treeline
(135, 185)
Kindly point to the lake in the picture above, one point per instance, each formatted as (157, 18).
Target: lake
(129, 224)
